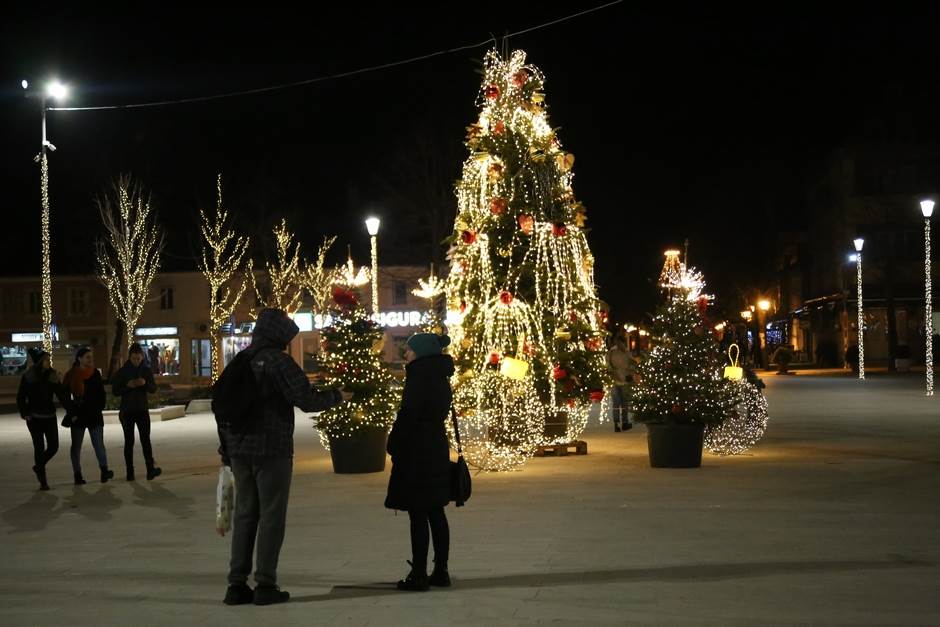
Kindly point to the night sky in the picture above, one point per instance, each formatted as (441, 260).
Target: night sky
(690, 124)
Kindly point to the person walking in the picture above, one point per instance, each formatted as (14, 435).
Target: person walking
(132, 383)
(86, 395)
(420, 477)
(620, 365)
(254, 402)
(36, 403)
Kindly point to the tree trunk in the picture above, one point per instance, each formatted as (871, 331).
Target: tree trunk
(215, 356)
(115, 362)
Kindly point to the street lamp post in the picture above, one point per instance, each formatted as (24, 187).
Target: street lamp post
(57, 91)
(372, 225)
(926, 207)
(859, 242)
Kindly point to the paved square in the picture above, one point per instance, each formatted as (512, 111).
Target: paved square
(832, 520)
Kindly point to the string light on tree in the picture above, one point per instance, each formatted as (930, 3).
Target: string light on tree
(521, 267)
(128, 255)
(859, 243)
(353, 346)
(285, 285)
(318, 280)
(223, 256)
(372, 226)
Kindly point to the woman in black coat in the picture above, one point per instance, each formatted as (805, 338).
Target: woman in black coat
(86, 388)
(35, 400)
(420, 478)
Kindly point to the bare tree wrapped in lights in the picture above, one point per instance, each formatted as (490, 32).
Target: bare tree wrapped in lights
(317, 279)
(128, 255)
(223, 258)
(285, 281)
(521, 287)
(352, 359)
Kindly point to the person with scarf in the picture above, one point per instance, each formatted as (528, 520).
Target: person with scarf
(86, 388)
(36, 404)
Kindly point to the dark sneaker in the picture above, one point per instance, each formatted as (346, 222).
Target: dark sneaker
(239, 595)
(439, 578)
(79, 480)
(130, 473)
(416, 581)
(106, 475)
(269, 595)
(153, 472)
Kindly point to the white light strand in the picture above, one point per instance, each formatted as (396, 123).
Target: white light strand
(744, 423)
(928, 308)
(861, 320)
(46, 271)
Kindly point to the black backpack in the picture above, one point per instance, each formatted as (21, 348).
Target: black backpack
(238, 397)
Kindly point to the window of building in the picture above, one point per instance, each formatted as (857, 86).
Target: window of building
(400, 296)
(34, 303)
(166, 298)
(202, 359)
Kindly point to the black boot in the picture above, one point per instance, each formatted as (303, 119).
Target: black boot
(153, 472)
(440, 577)
(416, 581)
(106, 474)
(239, 595)
(269, 595)
(130, 473)
(79, 480)
(41, 475)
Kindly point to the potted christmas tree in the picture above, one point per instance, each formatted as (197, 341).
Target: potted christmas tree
(355, 431)
(680, 387)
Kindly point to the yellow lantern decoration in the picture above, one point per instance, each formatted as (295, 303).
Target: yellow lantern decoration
(734, 371)
(514, 368)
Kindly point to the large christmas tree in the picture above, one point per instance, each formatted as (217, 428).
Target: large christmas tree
(352, 349)
(521, 285)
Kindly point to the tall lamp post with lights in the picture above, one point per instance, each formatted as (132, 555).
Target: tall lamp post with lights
(926, 208)
(372, 225)
(859, 243)
(56, 91)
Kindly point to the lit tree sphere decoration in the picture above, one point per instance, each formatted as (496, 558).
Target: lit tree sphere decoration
(745, 421)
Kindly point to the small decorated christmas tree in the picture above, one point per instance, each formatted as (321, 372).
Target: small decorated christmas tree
(352, 350)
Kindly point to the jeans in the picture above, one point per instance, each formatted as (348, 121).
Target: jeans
(45, 435)
(142, 422)
(262, 487)
(440, 532)
(97, 442)
(620, 405)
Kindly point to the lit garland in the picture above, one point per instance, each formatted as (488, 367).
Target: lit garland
(46, 272)
(928, 309)
(285, 285)
(375, 275)
(501, 420)
(521, 270)
(861, 319)
(744, 423)
(129, 255)
(223, 253)
(352, 360)
(317, 279)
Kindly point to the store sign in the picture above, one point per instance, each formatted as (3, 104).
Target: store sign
(309, 322)
(156, 331)
(27, 337)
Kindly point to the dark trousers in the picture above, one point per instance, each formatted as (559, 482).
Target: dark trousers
(142, 422)
(262, 486)
(45, 434)
(440, 532)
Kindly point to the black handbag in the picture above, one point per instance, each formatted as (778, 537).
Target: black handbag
(460, 485)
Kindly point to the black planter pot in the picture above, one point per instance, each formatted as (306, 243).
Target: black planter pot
(675, 446)
(363, 451)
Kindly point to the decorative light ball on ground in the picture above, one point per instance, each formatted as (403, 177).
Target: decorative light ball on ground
(500, 420)
(745, 423)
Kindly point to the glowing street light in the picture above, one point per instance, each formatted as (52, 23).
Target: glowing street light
(372, 226)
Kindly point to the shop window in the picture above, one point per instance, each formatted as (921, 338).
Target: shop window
(162, 354)
(13, 360)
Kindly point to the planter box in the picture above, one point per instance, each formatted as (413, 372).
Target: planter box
(199, 406)
(363, 451)
(169, 412)
(675, 446)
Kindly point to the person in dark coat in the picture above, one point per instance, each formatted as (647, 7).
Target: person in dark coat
(35, 401)
(420, 477)
(132, 383)
(85, 391)
(262, 460)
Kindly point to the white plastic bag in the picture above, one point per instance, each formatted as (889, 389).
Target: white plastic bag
(224, 501)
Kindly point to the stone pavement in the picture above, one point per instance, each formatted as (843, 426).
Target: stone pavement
(832, 520)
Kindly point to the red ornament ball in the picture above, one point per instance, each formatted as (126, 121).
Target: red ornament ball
(494, 359)
(677, 409)
(498, 206)
(520, 78)
(499, 128)
(559, 229)
(505, 297)
(558, 373)
(463, 306)
(571, 402)
(596, 396)
(526, 223)
(468, 237)
(491, 92)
